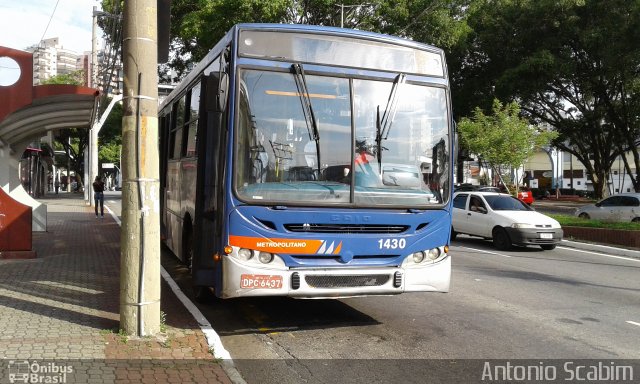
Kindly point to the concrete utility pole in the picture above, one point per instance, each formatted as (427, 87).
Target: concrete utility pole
(140, 236)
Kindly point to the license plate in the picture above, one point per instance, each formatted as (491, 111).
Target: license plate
(261, 281)
(546, 235)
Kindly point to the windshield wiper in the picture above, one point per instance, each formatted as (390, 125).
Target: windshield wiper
(383, 125)
(307, 109)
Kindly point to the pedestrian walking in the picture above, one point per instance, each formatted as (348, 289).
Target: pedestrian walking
(98, 196)
(57, 184)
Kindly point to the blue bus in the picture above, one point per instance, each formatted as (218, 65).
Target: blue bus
(310, 162)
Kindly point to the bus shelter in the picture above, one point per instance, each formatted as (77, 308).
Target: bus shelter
(29, 112)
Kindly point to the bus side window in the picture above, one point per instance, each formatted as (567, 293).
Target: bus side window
(176, 138)
(177, 132)
(191, 127)
(191, 134)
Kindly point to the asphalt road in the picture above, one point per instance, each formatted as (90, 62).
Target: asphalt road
(521, 304)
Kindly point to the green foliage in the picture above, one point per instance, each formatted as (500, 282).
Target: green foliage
(571, 64)
(502, 139)
(573, 221)
(110, 137)
(196, 25)
(73, 78)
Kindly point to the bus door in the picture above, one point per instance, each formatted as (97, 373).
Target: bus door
(212, 162)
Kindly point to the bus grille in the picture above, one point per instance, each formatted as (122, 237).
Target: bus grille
(320, 281)
(345, 228)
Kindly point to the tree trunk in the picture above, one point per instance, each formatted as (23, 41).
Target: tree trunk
(600, 189)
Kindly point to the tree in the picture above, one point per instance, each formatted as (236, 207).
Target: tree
(504, 139)
(110, 137)
(573, 64)
(196, 25)
(73, 78)
(72, 140)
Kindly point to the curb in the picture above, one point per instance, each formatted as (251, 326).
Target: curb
(213, 339)
(601, 248)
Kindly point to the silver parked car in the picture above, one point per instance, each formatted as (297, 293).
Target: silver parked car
(624, 207)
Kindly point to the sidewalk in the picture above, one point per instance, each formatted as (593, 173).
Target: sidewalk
(59, 313)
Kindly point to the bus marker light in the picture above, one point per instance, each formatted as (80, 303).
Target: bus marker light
(228, 249)
(446, 249)
(216, 257)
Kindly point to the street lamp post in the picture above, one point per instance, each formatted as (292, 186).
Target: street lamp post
(342, 7)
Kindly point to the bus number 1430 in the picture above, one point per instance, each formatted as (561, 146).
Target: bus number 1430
(392, 243)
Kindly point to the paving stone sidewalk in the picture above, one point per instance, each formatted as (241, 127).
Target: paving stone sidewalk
(59, 312)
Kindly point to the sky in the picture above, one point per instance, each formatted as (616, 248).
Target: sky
(24, 23)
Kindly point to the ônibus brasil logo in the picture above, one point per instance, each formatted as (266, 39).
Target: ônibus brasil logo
(24, 371)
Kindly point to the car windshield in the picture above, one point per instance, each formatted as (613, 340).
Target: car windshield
(283, 158)
(506, 203)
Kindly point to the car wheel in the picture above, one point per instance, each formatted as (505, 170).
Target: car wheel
(548, 247)
(454, 234)
(584, 215)
(501, 239)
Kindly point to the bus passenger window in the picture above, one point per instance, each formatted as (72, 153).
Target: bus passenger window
(191, 139)
(177, 143)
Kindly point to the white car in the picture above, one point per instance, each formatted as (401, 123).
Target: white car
(504, 219)
(623, 207)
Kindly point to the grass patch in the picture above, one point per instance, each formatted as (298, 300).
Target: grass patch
(124, 338)
(573, 221)
(163, 322)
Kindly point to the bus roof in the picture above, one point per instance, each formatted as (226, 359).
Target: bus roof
(303, 28)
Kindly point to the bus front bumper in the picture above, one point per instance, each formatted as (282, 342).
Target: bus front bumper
(241, 280)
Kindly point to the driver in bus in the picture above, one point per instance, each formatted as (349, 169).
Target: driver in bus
(365, 174)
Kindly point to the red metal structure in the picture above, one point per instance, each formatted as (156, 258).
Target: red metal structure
(15, 229)
(27, 113)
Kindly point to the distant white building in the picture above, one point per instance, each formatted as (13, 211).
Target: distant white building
(51, 59)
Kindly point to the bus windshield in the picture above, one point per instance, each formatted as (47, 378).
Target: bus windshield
(281, 159)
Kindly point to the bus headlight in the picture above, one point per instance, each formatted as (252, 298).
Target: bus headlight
(433, 253)
(418, 257)
(265, 257)
(245, 254)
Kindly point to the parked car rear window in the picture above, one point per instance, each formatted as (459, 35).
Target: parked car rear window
(506, 203)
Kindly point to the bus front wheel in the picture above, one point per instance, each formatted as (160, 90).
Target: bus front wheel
(203, 294)
(187, 248)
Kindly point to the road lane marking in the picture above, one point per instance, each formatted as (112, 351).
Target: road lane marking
(115, 217)
(483, 251)
(633, 322)
(599, 254)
